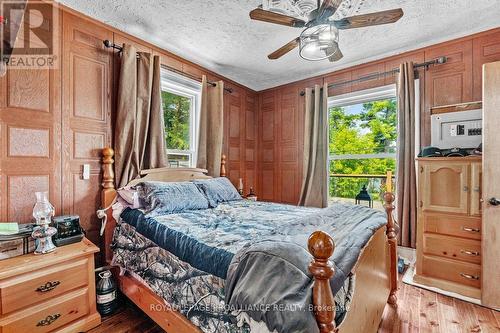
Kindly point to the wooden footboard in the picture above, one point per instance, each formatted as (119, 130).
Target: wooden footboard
(379, 259)
(382, 260)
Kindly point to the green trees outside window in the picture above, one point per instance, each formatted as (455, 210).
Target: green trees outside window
(177, 117)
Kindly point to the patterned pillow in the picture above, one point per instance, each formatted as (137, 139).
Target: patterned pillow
(218, 190)
(171, 197)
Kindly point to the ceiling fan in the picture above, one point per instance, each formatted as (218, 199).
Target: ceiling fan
(320, 38)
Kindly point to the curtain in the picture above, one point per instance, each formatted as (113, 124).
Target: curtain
(139, 130)
(406, 198)
(315, 182)
(211, 127)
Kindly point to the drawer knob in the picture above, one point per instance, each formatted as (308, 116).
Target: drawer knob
(470, 229)
(48, 286)
(494, 202)
(470, 277)
(49, 319)
(470, 253)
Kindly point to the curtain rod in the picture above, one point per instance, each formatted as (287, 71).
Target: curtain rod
(108, 44)
(426, 65)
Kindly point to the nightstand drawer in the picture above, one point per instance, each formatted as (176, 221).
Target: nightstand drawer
(452, 225)
(453, 248)
(452, 270)
(27, 289)
(50, 315)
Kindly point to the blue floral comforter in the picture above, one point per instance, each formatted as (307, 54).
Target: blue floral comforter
(208, 239)
(185, 256)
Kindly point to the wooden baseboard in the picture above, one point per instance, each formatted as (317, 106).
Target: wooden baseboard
(448, 286)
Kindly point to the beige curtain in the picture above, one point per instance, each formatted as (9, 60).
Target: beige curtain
(211, 127)
(406, 195)
(139, 130)
(315, 182)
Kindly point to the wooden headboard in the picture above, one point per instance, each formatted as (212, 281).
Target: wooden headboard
(161, 174)
(170, 175)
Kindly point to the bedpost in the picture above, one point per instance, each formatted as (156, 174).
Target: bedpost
(321, 247)
(392, 234)
(223, 166)
(108, 194)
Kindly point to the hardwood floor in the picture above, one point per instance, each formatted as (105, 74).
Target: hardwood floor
(418, 310)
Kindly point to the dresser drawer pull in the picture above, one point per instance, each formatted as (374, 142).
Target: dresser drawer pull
(470, 229)
(470, 277)
(49, 320)
(48, 286)
(470, 253)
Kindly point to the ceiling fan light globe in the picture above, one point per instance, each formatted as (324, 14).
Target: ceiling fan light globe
(318, 42)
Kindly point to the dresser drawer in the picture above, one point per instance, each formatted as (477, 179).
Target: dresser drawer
(461, 226)
(49, 315)
(453, 247)
(451, 270)
(30, 288)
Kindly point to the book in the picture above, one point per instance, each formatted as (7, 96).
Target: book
(9, 228)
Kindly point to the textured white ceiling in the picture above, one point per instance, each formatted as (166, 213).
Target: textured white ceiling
(219, 35)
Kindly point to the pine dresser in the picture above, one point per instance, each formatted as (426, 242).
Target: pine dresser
(449, 224)
(52, 292)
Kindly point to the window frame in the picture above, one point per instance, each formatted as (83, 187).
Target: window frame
(182, 86)
(369, 95)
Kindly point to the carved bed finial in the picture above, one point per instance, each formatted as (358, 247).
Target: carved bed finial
(321, 246)
(392, 234)
(223, 166)
(108, 176)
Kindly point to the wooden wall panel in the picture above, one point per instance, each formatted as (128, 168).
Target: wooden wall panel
(30, 131)
(343, 76)
(288, 140)
(87, 85)
(364, 70)
(452, 82)
(233, 108)
(268, 162)
(393, 63)
(449, 83)
(250, 144)
(485, 49)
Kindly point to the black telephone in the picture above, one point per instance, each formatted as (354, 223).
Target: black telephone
(68, 230)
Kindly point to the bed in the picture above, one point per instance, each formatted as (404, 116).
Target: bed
(145, 258)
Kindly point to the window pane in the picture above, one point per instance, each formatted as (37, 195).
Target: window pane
(362, 129)
(179, 161)
(366, 128)
(176, 112)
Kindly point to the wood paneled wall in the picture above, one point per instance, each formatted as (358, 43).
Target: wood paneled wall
(52, 122)
(281, 109)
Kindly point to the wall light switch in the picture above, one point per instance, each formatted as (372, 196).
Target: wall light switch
(86, 171)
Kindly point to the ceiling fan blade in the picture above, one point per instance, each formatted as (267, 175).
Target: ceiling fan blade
(366, 20)
(260, 14)
(284, 49)
(336, 56)
(327, 9)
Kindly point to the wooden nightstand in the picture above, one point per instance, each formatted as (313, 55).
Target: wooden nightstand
(53, 292)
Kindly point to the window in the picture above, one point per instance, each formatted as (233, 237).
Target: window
(181, 98)
(362, 143)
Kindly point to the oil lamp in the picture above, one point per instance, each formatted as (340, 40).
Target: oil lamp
(43, 211)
